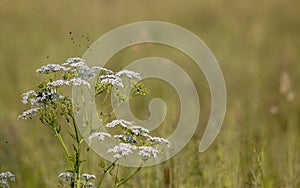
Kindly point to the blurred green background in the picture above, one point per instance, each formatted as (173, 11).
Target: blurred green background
(257, 45)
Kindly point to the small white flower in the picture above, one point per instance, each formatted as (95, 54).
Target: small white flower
(27, 95)
(31, 112)
(121, 122)
(147, 152)
(6, 175)
(75, 62)
(58, 83)
(67, 176)
(86, 73)
(158, 140)
(139, 130)
(50, 68)
(89, 184)
(88, 176)
(79, 82)
(99, 135)
(129, 74)
(121, 150)
(101, 69)
(73, 81)
(51, 95)
(111, 79)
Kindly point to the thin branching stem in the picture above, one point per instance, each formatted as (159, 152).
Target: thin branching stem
(116, 176)
(110, 167)
(129, 177)
(62, 143)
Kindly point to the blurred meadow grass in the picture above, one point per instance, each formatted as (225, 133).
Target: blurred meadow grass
(257, 45)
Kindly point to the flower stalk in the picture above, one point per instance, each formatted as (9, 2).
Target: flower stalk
(53, 108)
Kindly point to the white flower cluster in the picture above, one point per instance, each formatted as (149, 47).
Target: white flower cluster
(123, 149)
(101, 69)
(129, 74)
(58, 83)
(99, 135)
(137, 130)
(50, 68)
(67, 176)
(82, 71)
(121, 122)
(27, 95)
(158, 140)
(115, 79)
(75, 62)
(38, 101)
(85, 72)
(4, 176)
(147, 152)
(88, 184)
(49, 94)
(131, 140)
(111, 79)
(35, 98)
(28, 113)
(71, 65)
(70, 176)
(79, 81)
(80, 74)
(88, 177)
(79, 68)
(73, 81)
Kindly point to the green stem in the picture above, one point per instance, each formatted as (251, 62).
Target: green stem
(107, 118)
(116, 177)
(129, 177)
(105, 98)
(105, 172)
(62, 143)
(75, 128)
(86, 154)
(77, 162)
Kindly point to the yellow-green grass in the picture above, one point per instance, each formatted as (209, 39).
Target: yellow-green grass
(255, 42)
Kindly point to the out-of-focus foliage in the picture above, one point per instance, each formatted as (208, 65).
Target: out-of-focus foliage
(257, 44)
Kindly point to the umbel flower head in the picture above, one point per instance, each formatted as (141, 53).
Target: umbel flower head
(85, 178)
(73, 72)
(4, 177)
(134, 138)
